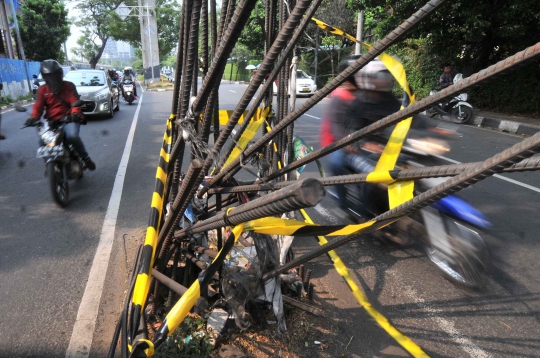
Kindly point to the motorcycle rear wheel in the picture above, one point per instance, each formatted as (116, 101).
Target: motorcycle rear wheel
(470, 259)
(467, 114)
(58, 184)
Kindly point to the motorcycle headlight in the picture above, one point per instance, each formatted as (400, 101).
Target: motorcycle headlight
(49, 138)
(101, 94)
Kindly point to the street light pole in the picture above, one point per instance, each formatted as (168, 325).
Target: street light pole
(150, 42)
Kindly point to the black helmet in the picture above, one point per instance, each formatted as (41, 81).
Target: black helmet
(52, 73)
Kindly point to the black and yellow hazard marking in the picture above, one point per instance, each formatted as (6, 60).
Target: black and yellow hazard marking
(142, 283)
(403, 340)
(287, 227)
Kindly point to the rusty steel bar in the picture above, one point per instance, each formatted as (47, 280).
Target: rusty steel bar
(305, 193)
(179, 206)
(519, 59)
(270, 80)
(277, 47)
(202, 303)
(382, 45)
(528, 164)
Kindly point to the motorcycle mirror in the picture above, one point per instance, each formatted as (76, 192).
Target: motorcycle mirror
(78, 103)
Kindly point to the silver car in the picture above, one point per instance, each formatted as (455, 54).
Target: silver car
(97, 91)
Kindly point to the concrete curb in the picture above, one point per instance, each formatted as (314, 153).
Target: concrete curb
(506, 126)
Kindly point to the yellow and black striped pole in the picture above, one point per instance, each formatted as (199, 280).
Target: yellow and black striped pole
(142, 283)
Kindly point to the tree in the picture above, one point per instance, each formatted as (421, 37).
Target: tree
(44, 28)
(168, 16)
(97, 19)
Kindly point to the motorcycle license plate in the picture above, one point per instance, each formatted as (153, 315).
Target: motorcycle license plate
(45, 152)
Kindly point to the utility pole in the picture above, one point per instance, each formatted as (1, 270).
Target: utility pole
(18, 33)
(359, 32)
(149, 40)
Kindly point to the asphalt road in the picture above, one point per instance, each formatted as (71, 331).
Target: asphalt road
(47, 252)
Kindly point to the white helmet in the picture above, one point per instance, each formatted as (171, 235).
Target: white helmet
(374, 77)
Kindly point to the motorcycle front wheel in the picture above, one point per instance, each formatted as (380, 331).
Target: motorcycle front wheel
(58, 183)
(468, 262)
(465, 116)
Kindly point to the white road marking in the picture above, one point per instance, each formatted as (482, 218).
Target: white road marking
(83, 331)
(327, 214)
(448, 326)
(232, 91)
(309, 115)
(526, 186)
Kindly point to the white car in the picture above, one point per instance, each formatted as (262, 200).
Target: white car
(304, 84)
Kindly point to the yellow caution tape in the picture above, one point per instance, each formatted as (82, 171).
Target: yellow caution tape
(403, 340)
(277, 226)
(248, 134)
(225, 114)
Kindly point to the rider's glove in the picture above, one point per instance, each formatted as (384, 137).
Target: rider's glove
(31, 122)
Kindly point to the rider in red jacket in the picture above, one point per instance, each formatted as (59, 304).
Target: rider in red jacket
(56, 98)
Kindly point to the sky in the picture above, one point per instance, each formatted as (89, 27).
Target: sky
(75, 31)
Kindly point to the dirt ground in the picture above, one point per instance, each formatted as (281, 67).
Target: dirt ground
(308, 336)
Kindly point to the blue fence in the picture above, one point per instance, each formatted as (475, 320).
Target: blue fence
(13, 70)
(13, 76)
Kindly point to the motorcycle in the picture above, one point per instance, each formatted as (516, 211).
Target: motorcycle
(61, 160)
(457, 109)
(35, 86)
(129, 96)
(447, 230)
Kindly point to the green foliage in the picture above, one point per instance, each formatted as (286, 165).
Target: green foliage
(190, 340)
(97, 19)
(422, 71)
(44, 28)
(253, 36)
(168, 16)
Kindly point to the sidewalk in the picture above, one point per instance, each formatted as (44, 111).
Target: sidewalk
(520, 125)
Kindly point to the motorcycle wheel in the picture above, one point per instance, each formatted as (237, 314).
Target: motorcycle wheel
(58, 184)
(470, 259)
(110, 114)
(467, 114)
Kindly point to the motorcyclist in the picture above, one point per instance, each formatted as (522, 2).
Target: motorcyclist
(362, 99)
(113, 75)
(447, 77)
(56, 97)
(128, 76)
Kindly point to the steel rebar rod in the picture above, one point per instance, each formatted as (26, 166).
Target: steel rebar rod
(480, 171)
(202, 303)
(278, 45)
(267, 86)
(497, 69)
(305, 193)
(528, 164)
(230, 36)
(204, 250)
(179, 206)
(193, 44)
(382, 45)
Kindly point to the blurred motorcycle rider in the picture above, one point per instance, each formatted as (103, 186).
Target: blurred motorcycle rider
(56, 97)
(128, 76)
(361, 100)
